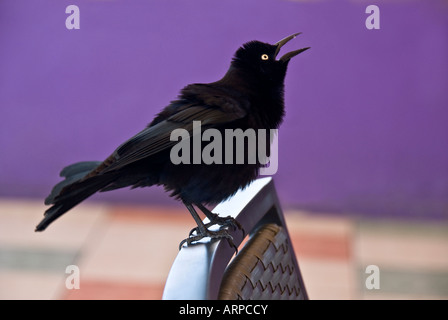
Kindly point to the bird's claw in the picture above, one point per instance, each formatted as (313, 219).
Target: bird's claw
(220, 234)
(223, 222)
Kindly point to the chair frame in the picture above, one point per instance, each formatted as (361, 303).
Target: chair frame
(198, 269)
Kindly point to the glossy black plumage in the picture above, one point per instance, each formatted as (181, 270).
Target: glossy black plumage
(250, 95)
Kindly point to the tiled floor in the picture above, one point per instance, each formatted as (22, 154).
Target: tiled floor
(126, 253)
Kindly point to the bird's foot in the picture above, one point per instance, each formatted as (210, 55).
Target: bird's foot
(223, 222)
(220, 234)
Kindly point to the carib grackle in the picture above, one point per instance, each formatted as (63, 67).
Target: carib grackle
(250, 95)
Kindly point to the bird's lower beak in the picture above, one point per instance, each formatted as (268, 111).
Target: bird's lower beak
(286, 57)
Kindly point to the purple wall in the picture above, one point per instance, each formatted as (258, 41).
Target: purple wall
(366, 129)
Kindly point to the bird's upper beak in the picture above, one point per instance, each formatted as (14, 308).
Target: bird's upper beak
(286, 57)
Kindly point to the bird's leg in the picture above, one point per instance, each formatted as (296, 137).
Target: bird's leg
(221, 221)
(202, 230)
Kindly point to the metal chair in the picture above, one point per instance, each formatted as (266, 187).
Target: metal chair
(265, 268)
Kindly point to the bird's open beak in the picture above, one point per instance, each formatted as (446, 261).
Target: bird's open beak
(286, 57)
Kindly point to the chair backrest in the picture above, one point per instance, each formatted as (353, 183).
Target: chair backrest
(265, 268)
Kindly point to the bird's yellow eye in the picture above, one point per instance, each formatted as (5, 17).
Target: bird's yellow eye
(264, 57)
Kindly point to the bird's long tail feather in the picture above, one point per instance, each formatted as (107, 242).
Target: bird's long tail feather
(72, 190)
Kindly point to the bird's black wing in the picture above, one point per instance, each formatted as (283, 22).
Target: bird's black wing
(156, 138)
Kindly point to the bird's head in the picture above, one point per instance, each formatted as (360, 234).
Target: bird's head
(260, 59)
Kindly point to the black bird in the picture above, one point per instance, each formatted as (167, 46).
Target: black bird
(250, 95)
